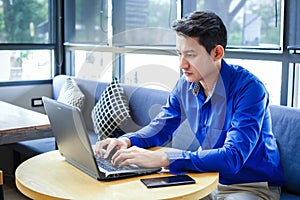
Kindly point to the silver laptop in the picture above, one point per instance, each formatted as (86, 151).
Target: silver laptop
(73, 143)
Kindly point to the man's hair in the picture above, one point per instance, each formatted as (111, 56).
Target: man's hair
(207, 26)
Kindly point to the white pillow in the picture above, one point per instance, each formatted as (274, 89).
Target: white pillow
(110, 111)
(71, 94)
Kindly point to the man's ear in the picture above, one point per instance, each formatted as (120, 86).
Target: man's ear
(218, 53)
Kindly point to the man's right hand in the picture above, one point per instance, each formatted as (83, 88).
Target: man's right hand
(111, 144)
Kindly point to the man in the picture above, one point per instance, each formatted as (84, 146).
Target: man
(228, 110)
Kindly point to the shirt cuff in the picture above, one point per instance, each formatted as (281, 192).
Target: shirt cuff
(179, 162)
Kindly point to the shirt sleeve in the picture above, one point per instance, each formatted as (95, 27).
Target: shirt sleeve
(161, 128)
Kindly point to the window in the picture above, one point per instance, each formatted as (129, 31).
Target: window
(262, 70)
(24, 21)
(249, 23)
(132, 38)
(19, 65)
(103, 32)
(143, 22)
(129, 22)
(153, 71)
(26, 40)
(93, 65)
(86, 22)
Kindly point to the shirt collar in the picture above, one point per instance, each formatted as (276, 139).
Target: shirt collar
(222, 84)
(196, 88)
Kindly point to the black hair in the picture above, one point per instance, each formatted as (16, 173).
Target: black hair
(207, 26)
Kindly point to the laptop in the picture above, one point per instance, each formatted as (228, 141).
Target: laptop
(74, 145)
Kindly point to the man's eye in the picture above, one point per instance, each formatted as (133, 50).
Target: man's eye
(190, 55)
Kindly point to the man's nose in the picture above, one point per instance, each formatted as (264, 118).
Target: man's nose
(183, 63)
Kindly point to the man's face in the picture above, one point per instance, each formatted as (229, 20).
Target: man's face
(195, 62)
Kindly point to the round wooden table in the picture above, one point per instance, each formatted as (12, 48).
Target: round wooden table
(49, 176)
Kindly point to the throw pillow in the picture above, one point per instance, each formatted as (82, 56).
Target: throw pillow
(71, 94)
(111, 111)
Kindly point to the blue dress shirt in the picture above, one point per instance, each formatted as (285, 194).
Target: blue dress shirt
(233, 126)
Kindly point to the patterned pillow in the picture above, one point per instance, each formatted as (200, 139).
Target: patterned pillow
(71, 94)
(111, 111)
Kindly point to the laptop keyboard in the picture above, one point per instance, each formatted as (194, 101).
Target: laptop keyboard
(107, 165)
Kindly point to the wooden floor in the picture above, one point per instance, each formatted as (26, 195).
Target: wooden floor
(11, 192)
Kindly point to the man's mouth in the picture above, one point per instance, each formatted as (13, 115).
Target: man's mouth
(187, 73)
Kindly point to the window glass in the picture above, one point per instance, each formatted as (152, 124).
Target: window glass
(249, 22)
(86, 21)
(26, 65)
(152, 71)
(24, 21)
(93, 65)
(143, 22)
(262, 70)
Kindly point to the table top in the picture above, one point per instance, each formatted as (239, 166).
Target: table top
(19, 124)
(49, 176)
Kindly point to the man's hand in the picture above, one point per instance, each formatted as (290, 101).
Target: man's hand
(140, 157)
(111, 144)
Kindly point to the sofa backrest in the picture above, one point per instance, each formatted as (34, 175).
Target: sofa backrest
(144, 103)
(286, 128)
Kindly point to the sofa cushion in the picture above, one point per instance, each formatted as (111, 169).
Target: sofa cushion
(286, 128)
(71, 94)
(110, 111)
(288, 196)
(34, 147)
(144, 104)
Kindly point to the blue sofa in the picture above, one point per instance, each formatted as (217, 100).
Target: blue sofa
(286, 128)
(145, 104)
